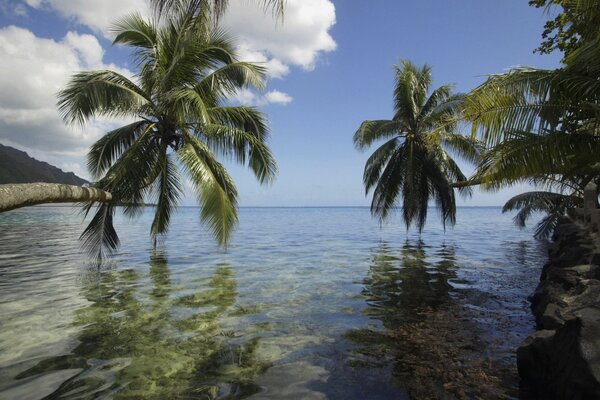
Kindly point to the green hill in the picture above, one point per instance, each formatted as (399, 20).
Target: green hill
(17, 167)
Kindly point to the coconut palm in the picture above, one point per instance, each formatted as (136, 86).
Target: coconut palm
(542, 126)
(214, 7)
(180, 122)
(414, 163)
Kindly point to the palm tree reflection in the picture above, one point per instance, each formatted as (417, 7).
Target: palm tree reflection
(156, 344)
(399, 288)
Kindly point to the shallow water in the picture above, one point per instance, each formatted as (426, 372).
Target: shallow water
(275, 316)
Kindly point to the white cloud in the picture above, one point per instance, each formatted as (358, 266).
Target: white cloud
(98, 15)
(252, 98)
(278, 97)
(298, 40)
(275, 67)
(34, 69)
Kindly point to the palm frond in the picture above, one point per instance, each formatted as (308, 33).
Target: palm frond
(526, 155)
(389, 184)
(467, 148)
(215, 188)
(228, 79)
(111, 146)
(526, 99)
(372, 131)
(168, 190)
(133, 30)
(130, 178)
(99, 93)
(244, 146)
(100, 239)
(377, 161)
(554, 205)
(216, 7)
(411, 86)
(451, 170)
(439, 188)
(437, 98)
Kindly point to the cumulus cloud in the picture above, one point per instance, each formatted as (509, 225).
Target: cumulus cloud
(34, 69)
(252, 98)
(298, 40)
(278, 97)
(97, 15)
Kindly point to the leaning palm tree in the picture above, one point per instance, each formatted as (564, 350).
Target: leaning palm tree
(414, 163)
(542, 126)
(181, 121)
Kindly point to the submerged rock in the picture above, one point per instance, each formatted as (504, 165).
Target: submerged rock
(562, 359)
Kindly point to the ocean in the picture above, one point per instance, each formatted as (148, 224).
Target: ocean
(281, 313)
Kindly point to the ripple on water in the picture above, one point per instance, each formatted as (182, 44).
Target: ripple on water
(275, 316)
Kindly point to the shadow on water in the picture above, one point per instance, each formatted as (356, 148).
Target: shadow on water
(156, 340)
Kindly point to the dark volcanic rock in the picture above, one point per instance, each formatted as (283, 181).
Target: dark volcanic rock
(563, 364)
(562, 359)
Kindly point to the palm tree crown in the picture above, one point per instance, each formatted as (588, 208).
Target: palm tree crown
(186, 69)
(413, 163)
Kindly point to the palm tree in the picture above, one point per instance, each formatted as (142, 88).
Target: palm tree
(216, 8)
(181, 120)
(413, 163)
(542, 126)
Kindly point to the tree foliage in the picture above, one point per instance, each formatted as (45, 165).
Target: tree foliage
(543, 126)
(415, 163)
(181, 123)
(571, 26)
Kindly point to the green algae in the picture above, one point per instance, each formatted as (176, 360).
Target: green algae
(241, 311)
(135, 345)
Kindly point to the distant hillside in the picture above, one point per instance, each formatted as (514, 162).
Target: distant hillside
(17, 167)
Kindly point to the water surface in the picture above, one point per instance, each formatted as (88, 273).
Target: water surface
(275, 316)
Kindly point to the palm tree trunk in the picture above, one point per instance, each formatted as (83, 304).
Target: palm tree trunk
(27, 194)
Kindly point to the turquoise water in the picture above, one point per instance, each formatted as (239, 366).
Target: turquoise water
(272, 317)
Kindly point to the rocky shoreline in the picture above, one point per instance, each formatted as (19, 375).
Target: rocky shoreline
(562, 358)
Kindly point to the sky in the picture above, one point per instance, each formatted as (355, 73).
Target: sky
(330, 68)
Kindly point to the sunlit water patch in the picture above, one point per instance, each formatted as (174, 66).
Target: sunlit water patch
(288, 311)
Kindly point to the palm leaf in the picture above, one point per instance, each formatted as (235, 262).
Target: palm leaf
(112, 145)
(100, 239)
(377, 161)
(168, 191)
(130, 178)
(215, 188)
(244, 146)
(371, 131)
(555, 205)
(99, 93)
(389, 184)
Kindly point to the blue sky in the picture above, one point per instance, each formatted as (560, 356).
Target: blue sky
(331, 68)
